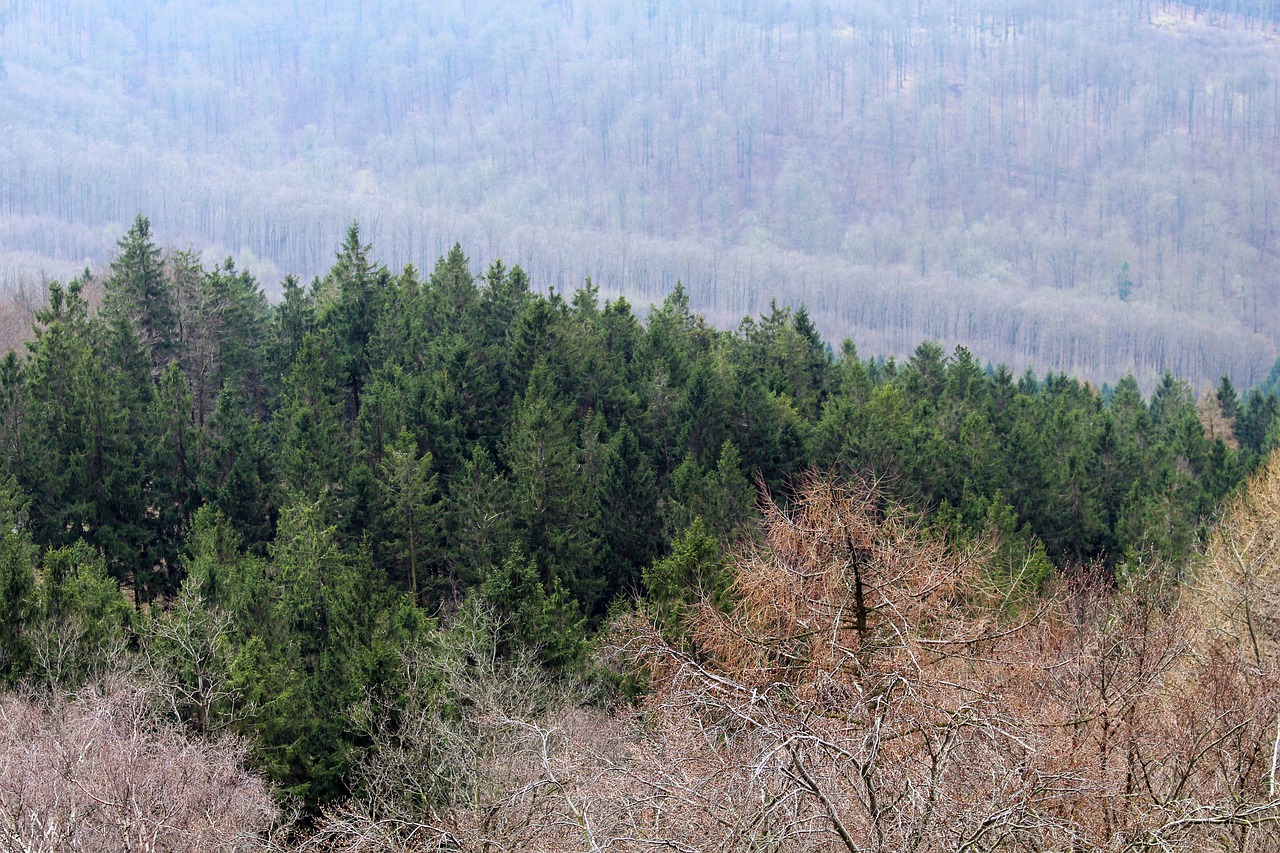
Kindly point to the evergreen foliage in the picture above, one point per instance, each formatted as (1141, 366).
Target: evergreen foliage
(288, 491)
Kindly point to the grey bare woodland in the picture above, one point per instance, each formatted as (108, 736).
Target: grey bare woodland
(1085, 186)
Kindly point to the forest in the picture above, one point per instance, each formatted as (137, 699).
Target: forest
(1086, 187)
(445, 561)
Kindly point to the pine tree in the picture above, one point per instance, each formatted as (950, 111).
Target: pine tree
(171, 491)
(630, 535)
(704, 409)
(400, 334)
(410, 512)
(548, 490)
(18, 602)
(137, 291)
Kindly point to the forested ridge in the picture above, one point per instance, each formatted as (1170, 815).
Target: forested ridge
(445, 419)
(385, 531)
(1085, 187)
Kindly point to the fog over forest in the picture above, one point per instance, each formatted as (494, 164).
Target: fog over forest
(1079, 185)
(724, 425)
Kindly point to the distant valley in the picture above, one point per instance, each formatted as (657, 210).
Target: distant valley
(1086, 187)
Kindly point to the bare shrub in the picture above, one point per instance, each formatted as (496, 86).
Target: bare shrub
(99, 772)
(472, 752)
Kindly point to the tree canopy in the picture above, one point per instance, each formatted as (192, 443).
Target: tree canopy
(279, 505)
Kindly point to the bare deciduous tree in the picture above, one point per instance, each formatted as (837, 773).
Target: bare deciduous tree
(471, 751)
(99, 771)
(1239, 588)
(188, 662)
(867, 691)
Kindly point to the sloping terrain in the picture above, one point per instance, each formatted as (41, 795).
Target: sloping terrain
(1081, 186)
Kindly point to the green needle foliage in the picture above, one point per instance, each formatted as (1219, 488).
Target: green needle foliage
(293, 494)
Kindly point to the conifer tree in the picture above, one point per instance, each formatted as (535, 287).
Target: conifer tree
(80, 458)
(337, 648)
(382, 415)
(354, 290)
(628, 511)
(237, 469)
(548, 490)
(18, 595)
(480, 520)
(314, 449)
(501, 300)
(409, 510)
(137, 291)
(85, 621)
(171, 491)
(186, 273)
(227, 347)
(400, 333)
(693, 572)
(451, 294)
(545, 621)
(322, 599)
(291, 320)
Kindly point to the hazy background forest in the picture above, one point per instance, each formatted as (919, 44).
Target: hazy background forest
(1086, 186)
(473, 554)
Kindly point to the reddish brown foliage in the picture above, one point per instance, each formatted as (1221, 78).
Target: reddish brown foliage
(865, 693)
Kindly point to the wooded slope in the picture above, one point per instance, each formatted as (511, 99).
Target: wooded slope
(1087, 187)
(288, 494)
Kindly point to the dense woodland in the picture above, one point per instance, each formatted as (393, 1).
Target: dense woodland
(1083, 186)
(429, 554)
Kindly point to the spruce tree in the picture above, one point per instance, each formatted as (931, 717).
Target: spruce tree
(18, 598)
(138, 291)
(237, 469)
(80, 459)
(171, 491)
(409, 510)
(314, 449)
(291, 320)
(630, 535)
(481, 525)
(544, 621)
(353, 292)
(548, 490)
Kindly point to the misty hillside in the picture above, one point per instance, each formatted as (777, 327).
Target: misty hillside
(427, 562)
(1087, 186)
